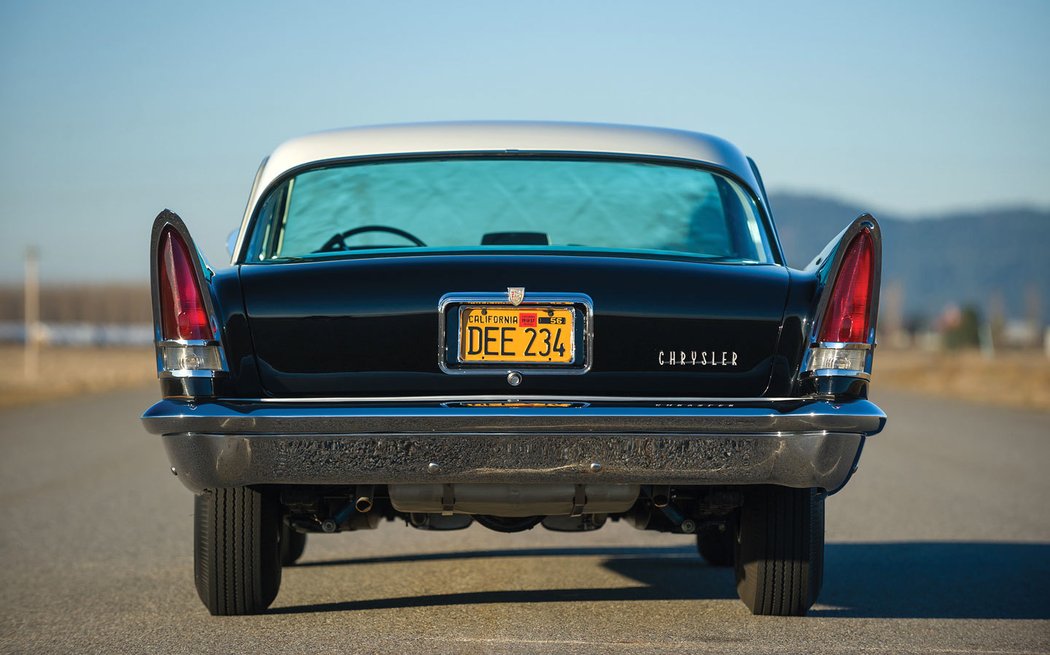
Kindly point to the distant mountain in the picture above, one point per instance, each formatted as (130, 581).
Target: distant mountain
(995, 259)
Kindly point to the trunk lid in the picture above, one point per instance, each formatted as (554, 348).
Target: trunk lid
(367, 327)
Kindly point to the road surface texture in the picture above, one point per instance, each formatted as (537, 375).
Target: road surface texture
(940, 544)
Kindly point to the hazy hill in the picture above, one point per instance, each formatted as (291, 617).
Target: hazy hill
(984, 258)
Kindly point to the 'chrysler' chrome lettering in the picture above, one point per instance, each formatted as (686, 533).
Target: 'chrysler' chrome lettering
(697, 358)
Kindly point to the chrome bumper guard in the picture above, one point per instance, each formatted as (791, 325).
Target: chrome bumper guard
(795, 443)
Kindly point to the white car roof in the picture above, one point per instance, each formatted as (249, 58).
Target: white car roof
(501, 136)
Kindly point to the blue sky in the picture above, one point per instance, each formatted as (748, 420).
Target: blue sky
(110, 112)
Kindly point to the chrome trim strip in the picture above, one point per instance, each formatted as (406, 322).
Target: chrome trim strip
(830, 345)
(512, 398)
(530, 298)
(836, 373)
(237, 418)
(188, 373)
(188, 342)
(243, 230)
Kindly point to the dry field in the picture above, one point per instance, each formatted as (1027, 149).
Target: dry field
(67, 371)
(1017, 379)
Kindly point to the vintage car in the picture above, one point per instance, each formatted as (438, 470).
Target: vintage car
(516, 325)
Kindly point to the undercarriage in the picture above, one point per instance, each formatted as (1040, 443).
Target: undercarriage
(506, 508)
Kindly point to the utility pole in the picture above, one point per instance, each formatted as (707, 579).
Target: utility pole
(32, 314)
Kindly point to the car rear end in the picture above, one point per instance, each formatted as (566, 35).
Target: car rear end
(518, 337)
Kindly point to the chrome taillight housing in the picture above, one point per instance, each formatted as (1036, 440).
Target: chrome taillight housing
(187, 338)
(844, 334)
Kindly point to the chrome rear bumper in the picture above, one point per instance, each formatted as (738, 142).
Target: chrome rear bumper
(794, 443)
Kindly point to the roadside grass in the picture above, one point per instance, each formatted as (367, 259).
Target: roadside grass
(1018, 379)
(72, 370)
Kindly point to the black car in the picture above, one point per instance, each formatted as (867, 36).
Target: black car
(514, 324)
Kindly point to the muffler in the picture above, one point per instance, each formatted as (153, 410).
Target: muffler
(513, 500)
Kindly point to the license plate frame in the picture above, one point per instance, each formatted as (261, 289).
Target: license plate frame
(454, 308)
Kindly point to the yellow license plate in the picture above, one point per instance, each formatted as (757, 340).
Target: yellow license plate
(517, 335)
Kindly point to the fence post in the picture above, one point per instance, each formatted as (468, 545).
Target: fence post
(32, 314)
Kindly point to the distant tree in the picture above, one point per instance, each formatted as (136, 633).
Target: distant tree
(964, 332)
(916, 323)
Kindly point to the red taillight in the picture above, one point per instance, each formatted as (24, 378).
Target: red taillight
(182, 310)
(848, 316)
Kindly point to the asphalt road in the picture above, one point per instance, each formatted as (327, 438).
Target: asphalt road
(940, 544)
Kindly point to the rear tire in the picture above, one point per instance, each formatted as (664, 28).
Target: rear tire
(293, 543)
(780, 550)
(716, 543)
(237, 562)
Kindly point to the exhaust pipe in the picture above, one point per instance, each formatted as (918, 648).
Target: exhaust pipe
(363, 504)
(661, 496)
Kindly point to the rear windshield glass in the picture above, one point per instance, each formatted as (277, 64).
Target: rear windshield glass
(508, 203)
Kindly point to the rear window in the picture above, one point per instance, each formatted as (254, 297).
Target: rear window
(544, 205)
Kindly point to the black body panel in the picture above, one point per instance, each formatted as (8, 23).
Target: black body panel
(370, 326)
